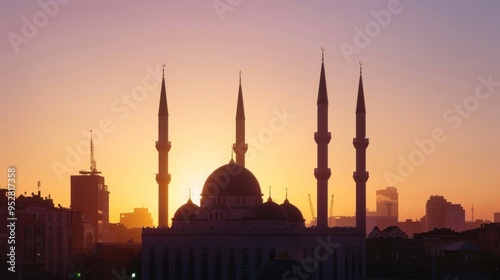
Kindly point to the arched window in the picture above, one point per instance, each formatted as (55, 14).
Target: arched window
(152, 266)
(346, 265)
(335, 264)
(231, 269)
(319, 274)
(245, 271)
(258, 260)
(89, 240)
(353, 262)
(272, 254)
(360, 263)
(166, 266)
(204, 266)
(218, 266)
(178, 265)
(191, 266)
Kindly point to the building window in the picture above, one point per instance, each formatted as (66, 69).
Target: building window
(218, 266)
(395, 256)
(152, 266)
(166, 266)
(245, 273)
(231, 273)
(238, 200)
(272, 254)
(243, 200)
(178, 266)
(191, 266)
(377, 256)
(413, 256)
(204, 266)
(258, 260)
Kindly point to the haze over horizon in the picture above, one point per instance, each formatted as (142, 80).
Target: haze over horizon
(430, 74)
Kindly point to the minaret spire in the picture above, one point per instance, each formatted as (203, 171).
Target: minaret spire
(240, 147)
(163, 147)
(322, 138)
(360, 143)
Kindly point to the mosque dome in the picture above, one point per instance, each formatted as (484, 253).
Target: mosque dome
(186, 212)
(231, 179)
(269, 211)
(293, 213)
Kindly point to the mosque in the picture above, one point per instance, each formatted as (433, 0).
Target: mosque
(235, 233)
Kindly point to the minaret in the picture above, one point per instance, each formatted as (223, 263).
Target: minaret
(163, 147)
(240, 147)
(322, 138)
(360, 143)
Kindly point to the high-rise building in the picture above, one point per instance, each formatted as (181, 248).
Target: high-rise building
(496, 217)
(139, 218)
(440, 213)
(90, 195)
(387, 202)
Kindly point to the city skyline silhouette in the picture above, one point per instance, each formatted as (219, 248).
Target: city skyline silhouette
(415, 76)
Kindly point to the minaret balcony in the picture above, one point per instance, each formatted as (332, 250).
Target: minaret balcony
(163, 178)
(360, 143)
(322, 173)
(322, 137)
(360, 177)
(240, 149)
(162, 145)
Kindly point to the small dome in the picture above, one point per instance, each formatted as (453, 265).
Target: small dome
(231, 179)
(186, 212)
(269, 211)
(293, 213)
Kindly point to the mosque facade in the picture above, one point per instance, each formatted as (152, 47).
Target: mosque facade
(235, 232)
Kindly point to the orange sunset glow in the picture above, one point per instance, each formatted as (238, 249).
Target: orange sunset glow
(431, 83)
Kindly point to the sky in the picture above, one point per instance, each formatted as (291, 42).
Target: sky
(431, 81)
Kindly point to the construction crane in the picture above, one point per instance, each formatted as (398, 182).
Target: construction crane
(330, 218)
(313, 221)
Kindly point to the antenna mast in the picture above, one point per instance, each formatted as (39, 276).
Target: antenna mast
(314, 220)
(93, 164)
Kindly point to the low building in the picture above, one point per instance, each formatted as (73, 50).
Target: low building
(46, 237)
